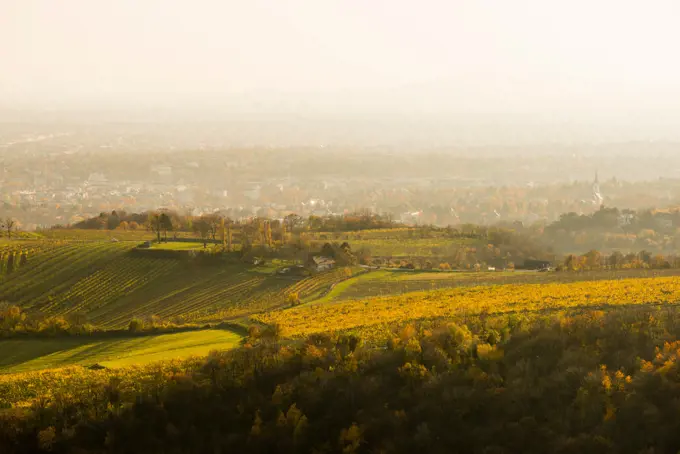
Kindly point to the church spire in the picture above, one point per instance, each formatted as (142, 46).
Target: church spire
(597, 195)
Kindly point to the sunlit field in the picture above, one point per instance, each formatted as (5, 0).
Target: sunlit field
(21, 355)
(372, 317)
(181, 246)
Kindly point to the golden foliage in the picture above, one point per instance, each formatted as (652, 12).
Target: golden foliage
(24, 390)
(372, 317)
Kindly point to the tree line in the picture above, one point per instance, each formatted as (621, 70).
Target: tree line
(173, 220)
(595, 260)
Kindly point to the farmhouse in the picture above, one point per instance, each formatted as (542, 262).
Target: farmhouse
(321, 263)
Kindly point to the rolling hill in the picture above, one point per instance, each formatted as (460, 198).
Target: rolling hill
(109, 285)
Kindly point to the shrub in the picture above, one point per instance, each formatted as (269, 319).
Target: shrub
(136, 325)
(293, 299)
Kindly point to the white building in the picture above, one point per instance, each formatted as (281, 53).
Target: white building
(322, 263)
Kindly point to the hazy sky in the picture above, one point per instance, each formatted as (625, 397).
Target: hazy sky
(600, 58)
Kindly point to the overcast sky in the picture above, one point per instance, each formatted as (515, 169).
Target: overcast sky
(597, 59)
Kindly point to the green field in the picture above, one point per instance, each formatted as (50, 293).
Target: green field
(180, 246)
(22, 355)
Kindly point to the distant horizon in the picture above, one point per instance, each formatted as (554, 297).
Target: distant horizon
(528, 71)
(319, 127)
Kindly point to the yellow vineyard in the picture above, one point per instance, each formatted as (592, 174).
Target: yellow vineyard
(371, 316)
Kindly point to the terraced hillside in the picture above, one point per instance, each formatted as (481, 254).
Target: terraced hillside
(53, 268)
(105, 282)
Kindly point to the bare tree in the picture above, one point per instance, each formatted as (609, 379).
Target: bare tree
(166, 224)
(8, 224)
(154, 224)
(292, 221)
(229, 237)
(214, 222)
(202, 227)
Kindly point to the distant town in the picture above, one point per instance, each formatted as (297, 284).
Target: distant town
(62, 174)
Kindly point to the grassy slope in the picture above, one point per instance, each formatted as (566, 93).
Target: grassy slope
(35, 354)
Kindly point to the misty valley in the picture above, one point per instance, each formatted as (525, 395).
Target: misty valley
(339, 227)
